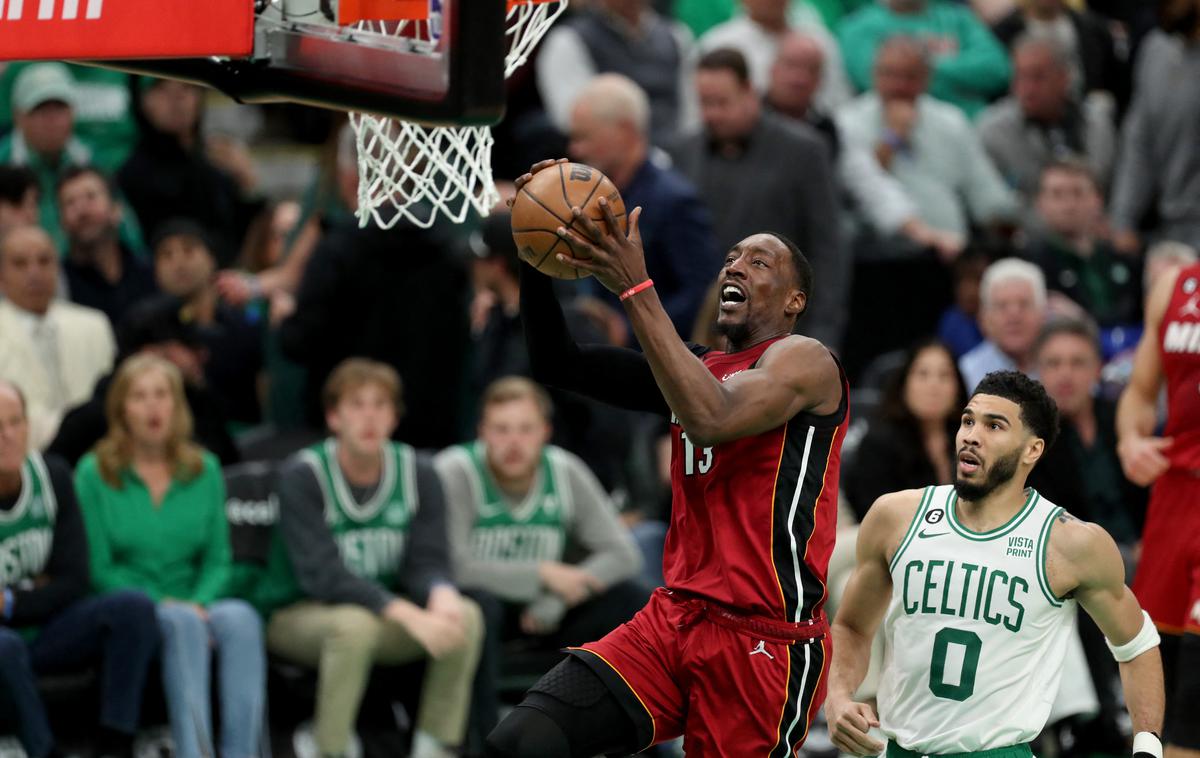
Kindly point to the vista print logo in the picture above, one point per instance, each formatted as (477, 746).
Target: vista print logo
(47, 9)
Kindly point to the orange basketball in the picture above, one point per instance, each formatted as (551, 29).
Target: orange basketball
(545, 203)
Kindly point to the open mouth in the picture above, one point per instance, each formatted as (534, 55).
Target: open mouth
(968, 462)
(732, 295)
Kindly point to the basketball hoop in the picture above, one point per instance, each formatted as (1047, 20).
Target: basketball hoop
(417, 171)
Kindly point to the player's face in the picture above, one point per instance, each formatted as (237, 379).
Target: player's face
(991, 441)
(183, 266)
(14, 431)
(513, 434)
(86, 210)
(1012, 316)
(757, 285)
(931, 389)
(29, 269)
(363, 419)
(1069, 368)
(149, 408)
(727, 106)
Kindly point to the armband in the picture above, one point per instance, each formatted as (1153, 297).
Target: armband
(1147, 744)
(1142, 641)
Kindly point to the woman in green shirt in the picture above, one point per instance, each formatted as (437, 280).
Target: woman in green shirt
(154, 506)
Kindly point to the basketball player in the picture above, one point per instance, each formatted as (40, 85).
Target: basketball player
(732, 652)
(1167, 581)
(980, 581)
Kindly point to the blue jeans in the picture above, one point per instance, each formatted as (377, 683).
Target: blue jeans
(119, 629)
(235, 631)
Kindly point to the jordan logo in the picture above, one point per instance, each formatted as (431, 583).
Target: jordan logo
(762, 650)
(1191, 307)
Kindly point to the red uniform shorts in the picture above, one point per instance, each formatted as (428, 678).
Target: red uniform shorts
(1167, 582)
(731, 684)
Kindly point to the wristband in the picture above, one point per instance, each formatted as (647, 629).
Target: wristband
(636, 289)
(1147, 744)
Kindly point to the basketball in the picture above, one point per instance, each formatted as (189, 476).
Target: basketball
(545, 203)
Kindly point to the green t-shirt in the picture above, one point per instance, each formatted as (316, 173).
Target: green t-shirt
(27, 529)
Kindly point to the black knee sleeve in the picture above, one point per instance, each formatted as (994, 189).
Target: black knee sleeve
(527, 733)
(1182, 727)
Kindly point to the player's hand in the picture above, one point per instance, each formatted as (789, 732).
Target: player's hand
(617, 260)
(437, 634)
(1142, 458)
(523, 179)
(849, 723)
(573, 585)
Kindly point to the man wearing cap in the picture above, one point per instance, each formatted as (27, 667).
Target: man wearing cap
(43, 138)
(53, 350)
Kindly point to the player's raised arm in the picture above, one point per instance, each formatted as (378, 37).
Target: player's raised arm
(1084, 556)
(1141, 453)
(863, 605)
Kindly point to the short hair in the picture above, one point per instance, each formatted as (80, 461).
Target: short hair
(181, 227)
(804, 270)
(16, 388)
(15, 182)
(353, 373)
(74, 172)
(1046, 41)
(908, 43)
(616, 98)
(1012, 269)
(1039, 412)
(1069, 165)
(1083, 328)
(726, 59)
(9, 232)
(508, 389)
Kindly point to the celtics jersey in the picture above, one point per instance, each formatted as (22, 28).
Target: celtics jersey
(975, 637)
(27, 529)
(370, 536)
(533, 530)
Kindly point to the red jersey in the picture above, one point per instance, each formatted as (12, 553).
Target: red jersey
(753, 519)
(1179, 336)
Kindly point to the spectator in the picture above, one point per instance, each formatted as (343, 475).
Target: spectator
(185, 267)
(363, 575)
(756, 170)
(154, 506)
(757, 34)
(18, 197)
(910, 443)
(1091, 55)
(1076, 260)
(53, 350)
(609, 130)
(350, 304)
(1012, 297)
(158, 326)
(1042, 121)
(169, 174)
(1159, 165)
(958, 326)
(876, 195)
(967, 63)
(624, 37)
(927, 145)
(516, 503)
(102, 272)
(43, 138)
(47, 621)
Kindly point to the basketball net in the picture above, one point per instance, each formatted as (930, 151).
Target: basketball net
(414, 171)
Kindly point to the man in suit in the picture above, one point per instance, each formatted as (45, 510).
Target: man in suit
(53, 350)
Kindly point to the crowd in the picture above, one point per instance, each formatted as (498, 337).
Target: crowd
(979, 186)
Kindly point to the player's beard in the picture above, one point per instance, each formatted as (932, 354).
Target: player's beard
(997, 474)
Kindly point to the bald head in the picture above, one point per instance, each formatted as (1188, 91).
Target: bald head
(610, 124)
(28, 268)
(901, 69)
(614, 99)
(796, 74)
(14, 434)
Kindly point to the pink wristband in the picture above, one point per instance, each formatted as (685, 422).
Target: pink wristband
(636, 289)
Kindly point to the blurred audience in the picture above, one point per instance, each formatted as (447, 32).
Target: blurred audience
(1012, 297)
(52, 349)
(610, 131)
(18, 197)
(154, 506)
(757, 170)
(958, 326)
(926, 144)
(363, 573)
(101, 271)
(967, 64)
(50, 622)
(1044, 121)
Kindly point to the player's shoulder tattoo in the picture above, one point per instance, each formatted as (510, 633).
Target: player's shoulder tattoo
(1064, 517)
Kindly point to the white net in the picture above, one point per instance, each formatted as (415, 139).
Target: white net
(417, 172)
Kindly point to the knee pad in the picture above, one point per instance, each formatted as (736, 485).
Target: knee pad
(528, 733)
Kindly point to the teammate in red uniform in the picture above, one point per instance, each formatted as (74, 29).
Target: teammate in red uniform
(1167, 580)
(732, 654)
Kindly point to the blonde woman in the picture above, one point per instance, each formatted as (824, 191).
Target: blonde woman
(154, 506)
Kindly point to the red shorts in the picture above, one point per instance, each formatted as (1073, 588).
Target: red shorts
(732, 685)
(1167, 582)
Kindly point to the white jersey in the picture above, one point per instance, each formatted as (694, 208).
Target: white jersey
(975, 636)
